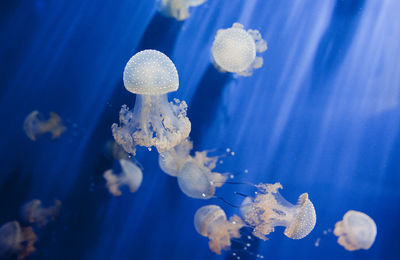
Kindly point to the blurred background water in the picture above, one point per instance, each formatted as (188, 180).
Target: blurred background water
(321, 116)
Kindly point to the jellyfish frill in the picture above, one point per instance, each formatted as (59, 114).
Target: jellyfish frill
(235, 50)
(154, 121)
(211, 221)
(178, 9)
(131, 176)
(269, 209)
(35, 125)
(356, 231)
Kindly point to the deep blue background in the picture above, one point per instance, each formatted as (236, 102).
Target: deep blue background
(321, 116)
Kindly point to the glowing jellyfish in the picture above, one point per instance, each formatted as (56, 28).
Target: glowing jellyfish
(269, 209)
(210, 221)
(33, 212)
(15, 240)
(235, 50)
(356, 231)
(154, 121)
(179, 9)
(171, 161)
(131, 175)
(35, 125)
(195, 176)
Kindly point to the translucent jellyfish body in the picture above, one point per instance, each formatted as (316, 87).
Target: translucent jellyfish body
(195, 176)
(33, 212)
(356, 231)
(15, 240)
(210, 221)
(179, 9)
(235, 50)
(131, 175)
(269, 209)
(36, 125)
(154, 121)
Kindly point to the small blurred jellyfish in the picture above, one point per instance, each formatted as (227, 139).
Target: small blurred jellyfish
(356, 231)
(36, 125)
(33, 212)
(210, 221)
(235, 49)
(269, 209)
(179, 9)
(115, 151)
(195, 176)
(171, 161)
(15, 240)
(154, 121)
(131, 175)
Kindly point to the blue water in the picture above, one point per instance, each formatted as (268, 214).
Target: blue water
(321, 116)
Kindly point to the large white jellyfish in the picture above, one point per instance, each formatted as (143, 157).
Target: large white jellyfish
(195, 176)
(154, 121)
(15, 240)
(269, 209)
(235, 49)
(179, 9)
(33, 212)
(356, 231)
(36, 125)
(210, 221)
(130, 175)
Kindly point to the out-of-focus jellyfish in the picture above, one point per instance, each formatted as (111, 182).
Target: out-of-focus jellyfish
(235, 50)
(131, 175)
(269, 209)
(356, 231)
(33, 212)
(15, 240)
(171, 161)
(210, 221)
(115, 151)
(195, 176)
(154, 121)
(179, 9)
(36, 125)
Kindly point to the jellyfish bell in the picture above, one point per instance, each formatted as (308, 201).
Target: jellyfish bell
(131, 175)
(211, 221)
(154, 121)
(178, 9)
(15, 240)
(356, 231)
(269, 209)
(235, 50)
(36, 125)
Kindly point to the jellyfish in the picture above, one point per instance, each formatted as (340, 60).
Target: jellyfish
(33, 212)
(210, 221)
(130, 175)
(269, 209)
(15, 240)
(195, 176)
(171, 161)
(115, 151)
(235, 50)
(356, 231)
(35, 125)
(178, 9)
(154, 121)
